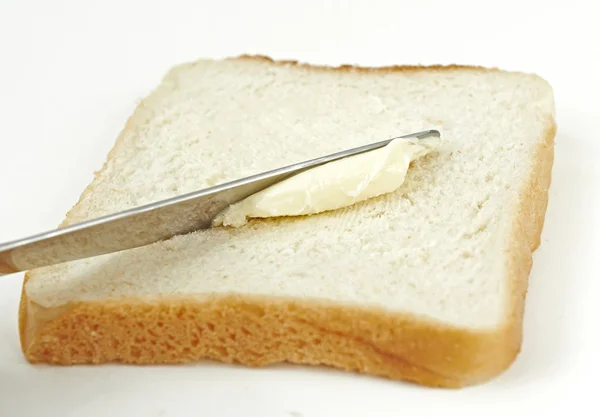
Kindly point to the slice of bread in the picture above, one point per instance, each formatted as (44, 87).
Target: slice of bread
(425, 284)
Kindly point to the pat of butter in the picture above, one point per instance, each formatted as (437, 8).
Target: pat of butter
(332, 186)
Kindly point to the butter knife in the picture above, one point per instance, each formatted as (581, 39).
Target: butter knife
(154, 222)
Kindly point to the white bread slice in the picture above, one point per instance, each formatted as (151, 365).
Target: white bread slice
(425, 284)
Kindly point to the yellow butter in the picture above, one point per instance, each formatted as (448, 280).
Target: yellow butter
(332, 186)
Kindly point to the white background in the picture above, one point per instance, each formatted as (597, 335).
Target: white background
(72, 72)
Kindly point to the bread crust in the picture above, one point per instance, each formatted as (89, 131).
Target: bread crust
(258, 331)
(354, 68)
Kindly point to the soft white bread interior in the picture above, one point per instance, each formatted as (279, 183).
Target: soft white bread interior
(424, 284)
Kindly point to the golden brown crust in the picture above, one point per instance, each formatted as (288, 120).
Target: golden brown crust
(526, 233)
(257, 331)
(354, 68)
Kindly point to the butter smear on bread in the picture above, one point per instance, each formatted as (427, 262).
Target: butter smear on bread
(332, 186)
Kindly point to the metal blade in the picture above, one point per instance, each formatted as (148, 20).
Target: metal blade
(153, 222)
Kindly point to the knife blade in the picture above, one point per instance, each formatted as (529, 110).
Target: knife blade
(154, 222)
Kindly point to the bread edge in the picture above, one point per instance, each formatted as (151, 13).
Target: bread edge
(258, 331)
